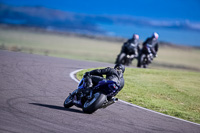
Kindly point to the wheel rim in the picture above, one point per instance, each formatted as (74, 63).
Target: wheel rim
(68, 100)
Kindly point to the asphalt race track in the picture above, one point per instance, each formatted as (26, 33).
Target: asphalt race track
(33, 89)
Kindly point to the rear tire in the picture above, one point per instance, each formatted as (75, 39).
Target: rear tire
(90, 106)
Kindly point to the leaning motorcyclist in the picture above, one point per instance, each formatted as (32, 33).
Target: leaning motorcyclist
(151, 44)
(113, 74)
(130, 47)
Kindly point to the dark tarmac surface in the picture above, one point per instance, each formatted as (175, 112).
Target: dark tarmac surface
(33, 89)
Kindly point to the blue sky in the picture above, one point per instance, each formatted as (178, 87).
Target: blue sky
(154, 9)
(157, 11)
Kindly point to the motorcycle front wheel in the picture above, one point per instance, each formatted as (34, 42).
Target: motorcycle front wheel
(68, 102)
(144, 61)
(122, 59)
(90, 106)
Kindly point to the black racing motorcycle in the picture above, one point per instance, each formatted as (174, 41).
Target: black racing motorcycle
(128, 55)
(126, 59)
(100, 96)
(146, 57)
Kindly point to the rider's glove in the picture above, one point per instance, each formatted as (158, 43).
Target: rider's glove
(86, 74)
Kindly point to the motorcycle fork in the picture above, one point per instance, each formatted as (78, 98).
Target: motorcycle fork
(90, 95)
(77, 101)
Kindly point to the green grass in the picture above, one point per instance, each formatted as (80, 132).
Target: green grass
(90, 49)
(174, 93)
(60, 45)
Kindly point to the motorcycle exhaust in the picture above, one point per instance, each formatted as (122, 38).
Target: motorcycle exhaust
(108, 103)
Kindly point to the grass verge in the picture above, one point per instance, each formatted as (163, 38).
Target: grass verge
(73, 47)
(171, 92)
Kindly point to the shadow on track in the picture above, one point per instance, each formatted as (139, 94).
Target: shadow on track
(57, 107)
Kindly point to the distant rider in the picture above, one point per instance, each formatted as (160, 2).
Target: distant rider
(151, 44)
(130, 47)
(114, 74)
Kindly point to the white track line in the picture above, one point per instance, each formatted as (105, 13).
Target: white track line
(72, 75)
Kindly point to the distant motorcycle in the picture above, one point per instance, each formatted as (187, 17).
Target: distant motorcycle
(146, 57)
(130, 53)
(126, 59)
(100, 96)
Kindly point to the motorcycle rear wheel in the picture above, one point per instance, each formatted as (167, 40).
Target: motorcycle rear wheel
(90, 106)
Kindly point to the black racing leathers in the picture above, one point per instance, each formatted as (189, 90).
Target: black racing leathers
(152, 45)
(131, 46)
(94, 76)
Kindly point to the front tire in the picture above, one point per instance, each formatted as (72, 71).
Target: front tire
(68, 102)
(143, 61)
(122, 59)
(90, 106)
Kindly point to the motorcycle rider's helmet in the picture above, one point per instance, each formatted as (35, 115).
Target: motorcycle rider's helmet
(136, 36)
(155, 35)
(120, 67)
